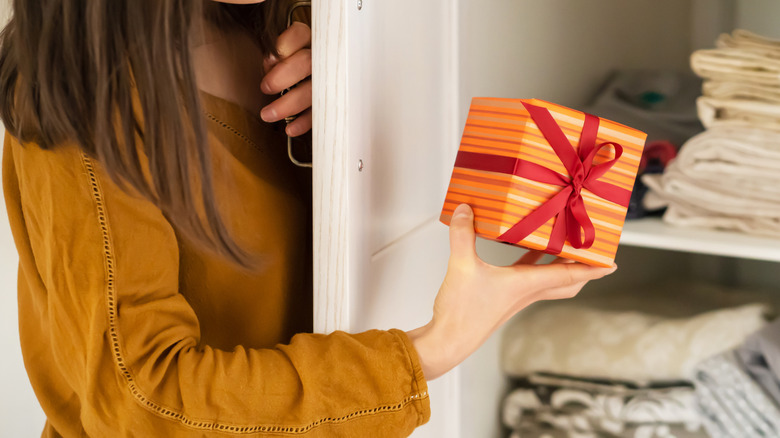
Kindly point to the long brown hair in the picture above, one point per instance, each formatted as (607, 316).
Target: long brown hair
(68, 72)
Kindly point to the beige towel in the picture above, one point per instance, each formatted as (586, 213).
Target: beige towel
(741, 57)
(715, 111)
(728, 90)
(736, 65)
(746, 40)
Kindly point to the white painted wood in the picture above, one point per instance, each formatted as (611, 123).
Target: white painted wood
(654, 233)
(399, 91)
(385, 93)
(332, 231)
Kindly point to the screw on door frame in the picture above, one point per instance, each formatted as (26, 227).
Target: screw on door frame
(360, 4)
(360, 165)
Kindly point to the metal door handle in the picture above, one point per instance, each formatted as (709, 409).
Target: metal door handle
(288, 120)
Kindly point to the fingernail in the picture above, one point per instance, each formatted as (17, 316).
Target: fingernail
(268, 114)
(266, 87)
(463, 210)
(293, 131)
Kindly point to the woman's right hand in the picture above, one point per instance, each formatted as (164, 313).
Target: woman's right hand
(477, 298)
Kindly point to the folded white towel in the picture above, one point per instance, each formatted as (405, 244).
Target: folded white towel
(746, 40)
(748, 155)
(741, 91)
(683, 215)
(741, 57)
(726, 177)
(747, 113)
(740, 65)
(737, 161)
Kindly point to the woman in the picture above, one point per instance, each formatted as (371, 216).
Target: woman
(163, 238)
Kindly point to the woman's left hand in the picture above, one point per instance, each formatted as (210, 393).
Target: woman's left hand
(292, 67)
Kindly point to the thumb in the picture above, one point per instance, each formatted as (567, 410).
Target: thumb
(462, 235)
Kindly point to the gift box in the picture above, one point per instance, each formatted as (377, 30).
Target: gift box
(545, 177)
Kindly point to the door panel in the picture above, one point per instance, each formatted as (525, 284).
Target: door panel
(385, 95)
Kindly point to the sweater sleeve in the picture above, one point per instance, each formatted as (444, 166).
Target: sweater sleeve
(127, 341)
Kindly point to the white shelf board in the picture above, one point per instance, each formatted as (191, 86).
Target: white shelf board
(654, 233)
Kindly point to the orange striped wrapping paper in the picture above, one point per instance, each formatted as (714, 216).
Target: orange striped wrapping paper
(504, 127)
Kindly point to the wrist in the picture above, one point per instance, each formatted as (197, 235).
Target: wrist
(433, 350)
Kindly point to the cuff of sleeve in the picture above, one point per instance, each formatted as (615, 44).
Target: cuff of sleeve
(419, 384)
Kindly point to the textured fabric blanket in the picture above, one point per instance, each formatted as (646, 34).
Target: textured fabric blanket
(732, 404)
(571, 408)
(627, 345)
(760, 356)
(726, 177)
(749, 113)
(742, 57)
(735, 90)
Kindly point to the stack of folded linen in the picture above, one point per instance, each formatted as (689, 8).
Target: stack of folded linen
(728, 177)
(564, 407)
(595, 367)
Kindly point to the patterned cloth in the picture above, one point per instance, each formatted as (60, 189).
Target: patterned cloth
(571, 408)
(732, 404)
(760, 356)
(646, 431)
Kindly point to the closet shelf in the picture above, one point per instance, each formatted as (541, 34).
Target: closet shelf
(654, 233)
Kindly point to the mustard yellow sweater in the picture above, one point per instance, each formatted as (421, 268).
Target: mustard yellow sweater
(128, 330)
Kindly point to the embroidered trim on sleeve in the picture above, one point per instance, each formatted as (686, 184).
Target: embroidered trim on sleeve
(151, 405)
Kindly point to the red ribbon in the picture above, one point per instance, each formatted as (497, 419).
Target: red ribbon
(572, 220)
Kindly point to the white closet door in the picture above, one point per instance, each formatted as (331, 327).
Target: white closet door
(385, 75)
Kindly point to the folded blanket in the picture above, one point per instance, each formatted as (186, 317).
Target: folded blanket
(571, 408)
(645, 431)
(739, 113)
(759, 355)
(746, 40)
(728, 90)
(571, 339)
(680, 214)
(747, 154)
(736, 65)
(731, 403)
(741, 57)
(725, 177)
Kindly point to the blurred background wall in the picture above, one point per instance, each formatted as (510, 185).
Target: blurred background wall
(20, 414)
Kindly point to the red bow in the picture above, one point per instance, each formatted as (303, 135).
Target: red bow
(567, 206)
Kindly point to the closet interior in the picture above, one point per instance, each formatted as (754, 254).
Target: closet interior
(574, 53)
